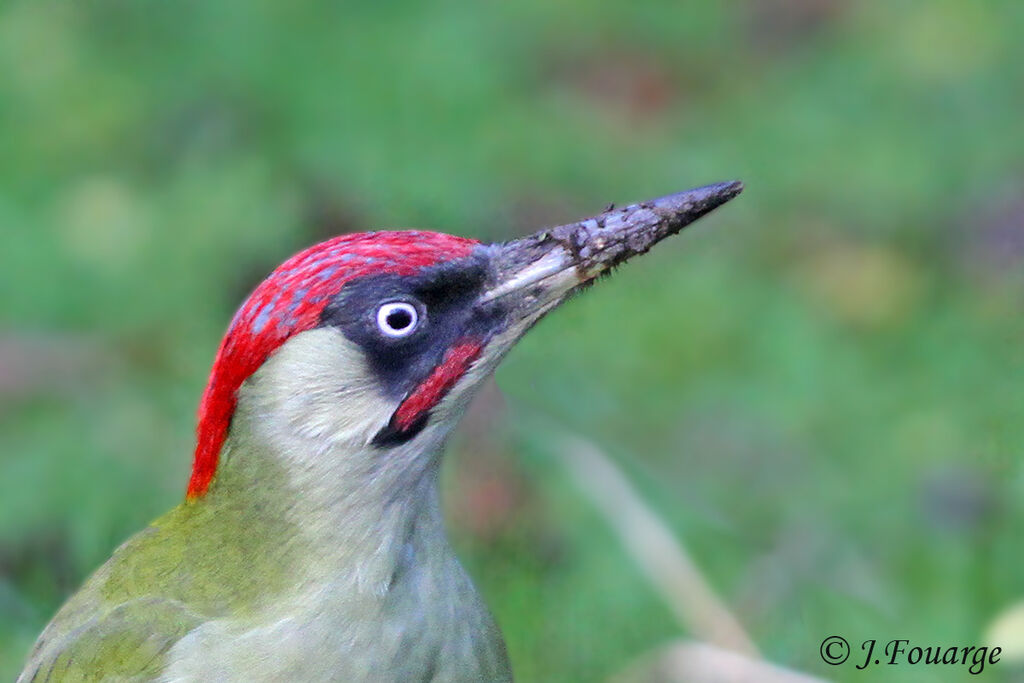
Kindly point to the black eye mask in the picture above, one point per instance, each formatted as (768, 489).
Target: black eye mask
(443, 296)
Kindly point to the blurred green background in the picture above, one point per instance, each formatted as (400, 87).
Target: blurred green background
(818, 387)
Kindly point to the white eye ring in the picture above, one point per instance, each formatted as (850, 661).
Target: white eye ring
(397, 319)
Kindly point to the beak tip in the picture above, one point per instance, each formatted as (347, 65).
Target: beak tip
(726, 191)
(729, 189)
(696, 202)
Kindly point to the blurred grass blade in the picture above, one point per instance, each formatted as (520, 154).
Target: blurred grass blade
(653, 546)
(688, 662)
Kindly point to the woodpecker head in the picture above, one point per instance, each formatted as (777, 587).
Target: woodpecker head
(369, 342)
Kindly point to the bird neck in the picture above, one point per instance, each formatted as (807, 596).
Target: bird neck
(356, 509)
(371, 581)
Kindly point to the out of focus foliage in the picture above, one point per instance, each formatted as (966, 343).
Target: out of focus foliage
(820, 387)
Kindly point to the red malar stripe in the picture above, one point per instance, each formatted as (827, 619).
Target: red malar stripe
(431, 390)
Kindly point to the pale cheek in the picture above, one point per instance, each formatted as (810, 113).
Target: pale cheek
(315, 393)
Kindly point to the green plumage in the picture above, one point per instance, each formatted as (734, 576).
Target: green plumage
(200, 561)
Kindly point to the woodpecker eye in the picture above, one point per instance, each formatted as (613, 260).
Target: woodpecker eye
(397, 319)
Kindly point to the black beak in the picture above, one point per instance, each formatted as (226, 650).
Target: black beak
(545, 267)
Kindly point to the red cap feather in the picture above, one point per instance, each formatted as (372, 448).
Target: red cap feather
(290, 301)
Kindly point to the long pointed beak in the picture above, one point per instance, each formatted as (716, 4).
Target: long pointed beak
(544, 268)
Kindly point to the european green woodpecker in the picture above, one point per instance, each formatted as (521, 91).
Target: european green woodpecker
(310, 544)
